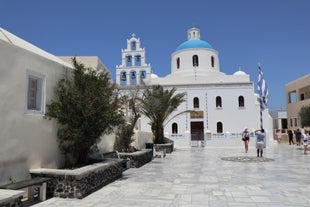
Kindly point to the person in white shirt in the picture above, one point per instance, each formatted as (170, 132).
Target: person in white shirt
(305, 137)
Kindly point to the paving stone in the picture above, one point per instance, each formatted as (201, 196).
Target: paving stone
(218, 175)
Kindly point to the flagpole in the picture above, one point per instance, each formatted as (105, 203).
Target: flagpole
(261, 113)
(263, 94)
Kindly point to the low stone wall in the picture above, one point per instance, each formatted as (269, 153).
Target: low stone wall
(80, 182)
(168, 146)
(138, 158)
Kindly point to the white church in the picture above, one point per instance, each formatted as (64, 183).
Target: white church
(222, 105)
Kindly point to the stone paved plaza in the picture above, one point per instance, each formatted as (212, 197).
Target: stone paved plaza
(219, 175)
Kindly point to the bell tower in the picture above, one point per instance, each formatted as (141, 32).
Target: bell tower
(134, 68)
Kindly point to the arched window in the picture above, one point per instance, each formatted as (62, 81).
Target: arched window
(174, 128)
(219, 127)
(178, 63)
(212, 61)
(195, 61)
(128, 60)
(138, 60)
(218, 102)
(133, 78)
(196, 102)
(123, 78)
(133, 45)
(241, 101)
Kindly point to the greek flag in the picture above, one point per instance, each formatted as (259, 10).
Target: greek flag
(262, 89)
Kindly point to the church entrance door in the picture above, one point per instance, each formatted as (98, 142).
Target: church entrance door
(197, 133)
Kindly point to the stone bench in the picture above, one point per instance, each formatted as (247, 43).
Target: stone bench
(29, 184)
(80, 182)
(11, 197)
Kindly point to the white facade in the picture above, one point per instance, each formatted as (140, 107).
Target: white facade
(28, 76)
(223, 104)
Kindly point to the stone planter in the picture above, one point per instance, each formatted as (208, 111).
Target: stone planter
(138, 158)
(168, 145)
(81, 182)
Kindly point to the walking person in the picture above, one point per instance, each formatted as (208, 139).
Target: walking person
(246, 139)
(260, 141)
(305, 140)
(298, 137)
(290, 137)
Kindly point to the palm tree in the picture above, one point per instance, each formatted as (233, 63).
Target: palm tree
(157, 104)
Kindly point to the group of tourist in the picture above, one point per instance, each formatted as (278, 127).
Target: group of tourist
(261, 139)
(300, 137)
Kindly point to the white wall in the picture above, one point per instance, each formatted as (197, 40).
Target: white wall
(186, 62)
(234, 119)
(27, 140)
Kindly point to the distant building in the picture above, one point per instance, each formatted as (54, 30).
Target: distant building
(223, 105)
(280, 128)
(297, 96)
(279, 119)
(88, 61)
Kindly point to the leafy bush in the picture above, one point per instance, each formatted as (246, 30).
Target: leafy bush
(86, 106)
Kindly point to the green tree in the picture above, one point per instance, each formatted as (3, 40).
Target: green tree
(86, 106)
(158, 104)
(304, 114)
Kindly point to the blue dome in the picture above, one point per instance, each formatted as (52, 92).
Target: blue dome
(194, 43)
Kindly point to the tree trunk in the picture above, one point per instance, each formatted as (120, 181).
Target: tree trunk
(159, 134)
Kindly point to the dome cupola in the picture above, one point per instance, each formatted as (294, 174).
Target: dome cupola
(194, 56)
(193, 41)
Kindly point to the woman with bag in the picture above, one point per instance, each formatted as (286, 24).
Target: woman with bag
(246, 139)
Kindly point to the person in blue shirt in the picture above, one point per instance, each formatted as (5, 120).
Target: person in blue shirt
(260, 141)
(298, 137)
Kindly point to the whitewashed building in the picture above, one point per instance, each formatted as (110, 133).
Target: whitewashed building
(28, 76)
(223, 105)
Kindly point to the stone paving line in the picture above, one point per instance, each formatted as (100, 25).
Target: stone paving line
(199, 177)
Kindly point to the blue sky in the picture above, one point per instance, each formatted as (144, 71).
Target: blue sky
(275, 33)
